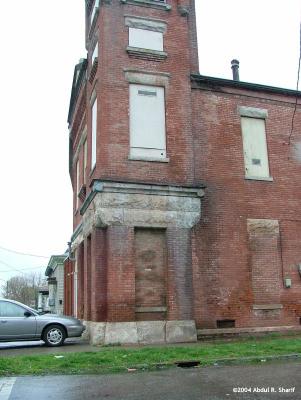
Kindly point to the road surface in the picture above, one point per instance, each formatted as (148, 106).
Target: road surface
(267, 381)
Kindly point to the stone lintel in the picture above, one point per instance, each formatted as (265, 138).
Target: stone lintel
(148, 3)
(153, 24)
(263, 226)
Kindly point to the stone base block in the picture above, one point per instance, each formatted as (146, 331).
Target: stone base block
(151, 332)
(141, 332)
(97, 332)
(181, 332)
(121, 332)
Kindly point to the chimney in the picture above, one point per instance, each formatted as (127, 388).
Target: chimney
(235, 69)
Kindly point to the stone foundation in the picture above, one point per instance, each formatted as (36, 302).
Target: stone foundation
(140, 332)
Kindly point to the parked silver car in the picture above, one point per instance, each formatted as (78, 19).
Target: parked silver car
(19, 322)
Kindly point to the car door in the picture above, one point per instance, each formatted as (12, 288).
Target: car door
(14, 325)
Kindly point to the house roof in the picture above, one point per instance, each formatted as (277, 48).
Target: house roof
(53, 263)
(217, 82)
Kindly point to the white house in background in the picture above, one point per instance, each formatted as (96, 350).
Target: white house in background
(55, 280)
(43, 299)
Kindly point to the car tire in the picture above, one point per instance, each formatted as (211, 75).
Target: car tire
(54, 335)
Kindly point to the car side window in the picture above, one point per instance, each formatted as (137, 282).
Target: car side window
(11, 310)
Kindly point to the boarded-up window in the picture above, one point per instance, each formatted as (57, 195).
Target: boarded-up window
(94, 133)
(150, 275)
(145, 39)
(147, 121)
(85, 161)
(77, 183)
(255, 147)
(265, 260)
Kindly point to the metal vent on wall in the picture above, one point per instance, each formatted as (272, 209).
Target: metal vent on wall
(146, 93)
(225, 323)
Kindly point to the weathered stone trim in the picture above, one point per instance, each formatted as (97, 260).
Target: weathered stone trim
(150, 309)
(252, 112)
(147, 54)
(77, 231)
(96, 188)
(151, 159)
(267, 306)
(141, 205)
(259, 178)
(141, 332)
(144, 77)
(184, 11)
(148, 3)
(204, 333)
(156, 25)
(264, 226)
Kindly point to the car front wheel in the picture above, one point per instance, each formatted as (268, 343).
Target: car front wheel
(54, 335)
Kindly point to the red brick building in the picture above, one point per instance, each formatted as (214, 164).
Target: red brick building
(186, 188)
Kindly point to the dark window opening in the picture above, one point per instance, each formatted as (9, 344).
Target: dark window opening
(225, 323)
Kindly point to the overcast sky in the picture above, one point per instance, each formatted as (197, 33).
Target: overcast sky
(40, 42)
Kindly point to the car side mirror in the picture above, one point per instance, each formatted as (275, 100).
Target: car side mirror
(27, 314)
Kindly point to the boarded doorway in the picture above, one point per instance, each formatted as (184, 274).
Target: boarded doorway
(150, 274)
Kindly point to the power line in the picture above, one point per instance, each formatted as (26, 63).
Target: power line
(12, 268)
(25, 269)
(23, 254)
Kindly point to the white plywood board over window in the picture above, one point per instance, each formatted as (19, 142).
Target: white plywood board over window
(145, 39)
(147, 121)
(94, 133)
(255, 147)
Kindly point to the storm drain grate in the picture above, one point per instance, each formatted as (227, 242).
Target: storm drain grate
(187, 364)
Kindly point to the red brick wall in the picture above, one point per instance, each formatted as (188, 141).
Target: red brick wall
(216, 281)
(121, 274)
(113, 96)
(98, 275)
(222, 258)
(88, 279)
(81, 277)
(180, 290)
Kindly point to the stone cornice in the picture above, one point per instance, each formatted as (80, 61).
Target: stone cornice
(134, 204)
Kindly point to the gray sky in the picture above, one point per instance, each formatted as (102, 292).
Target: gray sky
(40, 42)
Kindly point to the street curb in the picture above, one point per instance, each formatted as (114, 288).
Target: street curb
(262, 359)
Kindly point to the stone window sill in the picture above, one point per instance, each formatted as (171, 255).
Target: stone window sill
(146, 54)
(267, 306)
(148, 3)
(151, 159)
(150, 309)
(260, 178)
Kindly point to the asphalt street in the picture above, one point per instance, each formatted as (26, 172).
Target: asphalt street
(277, 381)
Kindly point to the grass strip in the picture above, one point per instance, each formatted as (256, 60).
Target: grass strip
(118, 359)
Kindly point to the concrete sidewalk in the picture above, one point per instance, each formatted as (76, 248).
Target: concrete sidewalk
(10, 349)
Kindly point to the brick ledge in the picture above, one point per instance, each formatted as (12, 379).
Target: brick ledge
(203, 333)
